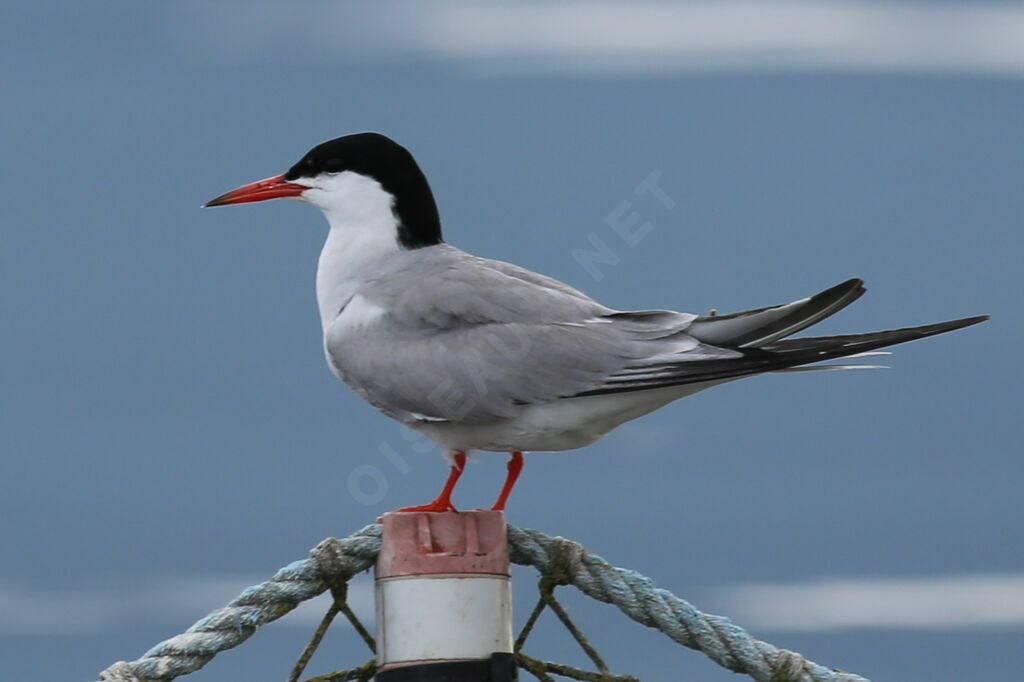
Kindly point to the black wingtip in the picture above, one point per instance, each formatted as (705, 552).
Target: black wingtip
(848, 291)
(848, 344)
(853, 282)
(782, 354)
(961, 323)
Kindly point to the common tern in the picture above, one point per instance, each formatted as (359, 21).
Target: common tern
(478, 354)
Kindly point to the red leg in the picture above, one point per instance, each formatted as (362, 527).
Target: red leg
(515, 465)
(443, 503)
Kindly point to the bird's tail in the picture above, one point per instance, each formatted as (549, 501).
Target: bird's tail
(766, 329)
(759, 344)
(792, 352)
(755, 328)
(784, 355)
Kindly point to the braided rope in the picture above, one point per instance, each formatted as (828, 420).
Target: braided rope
(331, 560)
(728, 645)
(563, 561)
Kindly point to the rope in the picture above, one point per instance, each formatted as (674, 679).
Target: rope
(728, 645)
(228, 627)
(562, 561)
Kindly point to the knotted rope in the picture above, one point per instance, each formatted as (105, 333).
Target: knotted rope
(562, 561)
(332, 560)
(635, 595)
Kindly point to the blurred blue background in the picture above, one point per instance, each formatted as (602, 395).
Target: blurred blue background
(171, 432)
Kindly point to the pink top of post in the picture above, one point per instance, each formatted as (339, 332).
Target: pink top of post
(424, 543)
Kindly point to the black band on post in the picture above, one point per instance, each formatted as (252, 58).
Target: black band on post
(500, 667)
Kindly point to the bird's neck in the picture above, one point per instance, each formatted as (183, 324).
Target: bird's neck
(356, 242)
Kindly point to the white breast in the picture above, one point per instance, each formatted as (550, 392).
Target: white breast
(364, 229)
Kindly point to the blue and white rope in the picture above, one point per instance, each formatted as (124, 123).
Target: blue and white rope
(563, 561)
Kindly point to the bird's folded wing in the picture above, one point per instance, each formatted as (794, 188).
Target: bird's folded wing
(485, 339)
(778, 355)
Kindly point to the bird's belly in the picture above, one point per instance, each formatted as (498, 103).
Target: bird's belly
(560, 425)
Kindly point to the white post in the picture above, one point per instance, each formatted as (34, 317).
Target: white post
(444, 598)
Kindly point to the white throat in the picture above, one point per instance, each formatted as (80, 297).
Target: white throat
(363, 229)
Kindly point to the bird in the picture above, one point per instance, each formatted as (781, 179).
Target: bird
(480, 354)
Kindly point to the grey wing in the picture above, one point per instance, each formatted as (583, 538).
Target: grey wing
(444, 287)
(474, 373)
(482, 340)
(485, 338)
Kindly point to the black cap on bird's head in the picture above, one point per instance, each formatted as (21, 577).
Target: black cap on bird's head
(370, 155)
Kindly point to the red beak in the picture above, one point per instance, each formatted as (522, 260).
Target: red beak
(261, 190)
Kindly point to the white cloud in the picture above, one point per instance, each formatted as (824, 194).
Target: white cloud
(918, 603)
(578, 36)
(175, 602)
